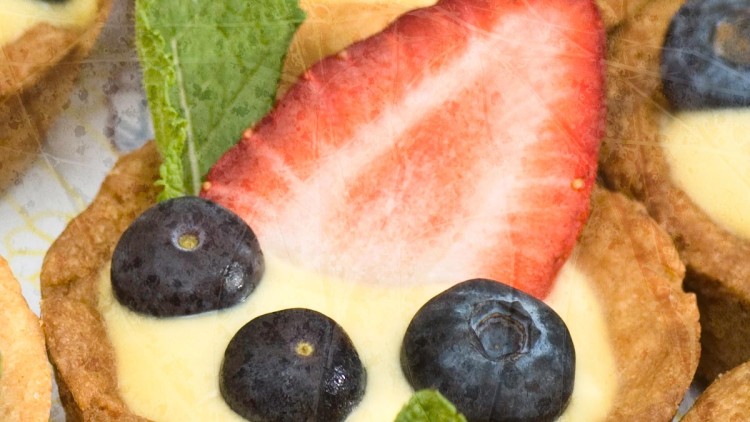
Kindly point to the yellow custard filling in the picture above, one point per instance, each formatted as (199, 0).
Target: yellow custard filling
(168, 369)
(17, 16)
(708, 153)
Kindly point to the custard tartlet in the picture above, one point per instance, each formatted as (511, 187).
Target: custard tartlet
(635, 159)
(650, 325)
(43, 44)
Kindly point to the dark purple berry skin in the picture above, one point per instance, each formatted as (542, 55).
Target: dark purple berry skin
(292, 365)
(185, 256)
(705, 58)
(495, 352)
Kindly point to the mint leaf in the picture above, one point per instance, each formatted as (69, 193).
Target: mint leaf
(210, 69)
(429, 406)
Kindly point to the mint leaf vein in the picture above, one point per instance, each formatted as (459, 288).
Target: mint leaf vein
(211, 69)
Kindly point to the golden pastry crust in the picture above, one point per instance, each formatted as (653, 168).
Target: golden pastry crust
(331, 27)
(77, 340)
(653, 324)
(727, 399)
(37, 74)
(25, 374)
(718, 263)
(614, 12)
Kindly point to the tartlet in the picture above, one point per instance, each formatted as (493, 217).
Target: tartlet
(633, 161)
(652, 323)
(726, 399)
(25, 373)
(331, 26)
(38, 69)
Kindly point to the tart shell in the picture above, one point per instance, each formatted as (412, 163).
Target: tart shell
(37, 75)
(25, 374)
(652, 323)
(726, 399)
(632, 161)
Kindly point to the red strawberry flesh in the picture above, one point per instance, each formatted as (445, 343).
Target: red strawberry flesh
(460, 142)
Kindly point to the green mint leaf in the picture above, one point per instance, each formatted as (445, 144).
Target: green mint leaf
(429, 406)
(210, 69)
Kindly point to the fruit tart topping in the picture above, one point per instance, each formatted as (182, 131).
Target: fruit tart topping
(706, 55)
(292, 365)
(185, 256)
(441, 148)
(495, 352)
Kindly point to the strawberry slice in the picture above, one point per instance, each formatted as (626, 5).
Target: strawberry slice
(460, 142)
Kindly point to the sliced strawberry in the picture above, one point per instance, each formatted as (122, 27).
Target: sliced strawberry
(460, 142)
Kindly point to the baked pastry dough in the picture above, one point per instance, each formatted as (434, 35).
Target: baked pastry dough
(331, 26)
(615, 12)
(632, 160)
(37, 73)
(652, 324)
(726, 399)
(25, 374)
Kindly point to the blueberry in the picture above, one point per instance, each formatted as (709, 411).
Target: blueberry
(292, 365)
(706, 55)
(495, 352)
(185, 256)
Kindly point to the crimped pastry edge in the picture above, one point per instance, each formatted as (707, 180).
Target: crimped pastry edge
(726, 399)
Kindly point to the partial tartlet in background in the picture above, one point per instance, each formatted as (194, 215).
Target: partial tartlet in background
(726, 399)
(25, 373)
(42, 46)
(635, 159)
